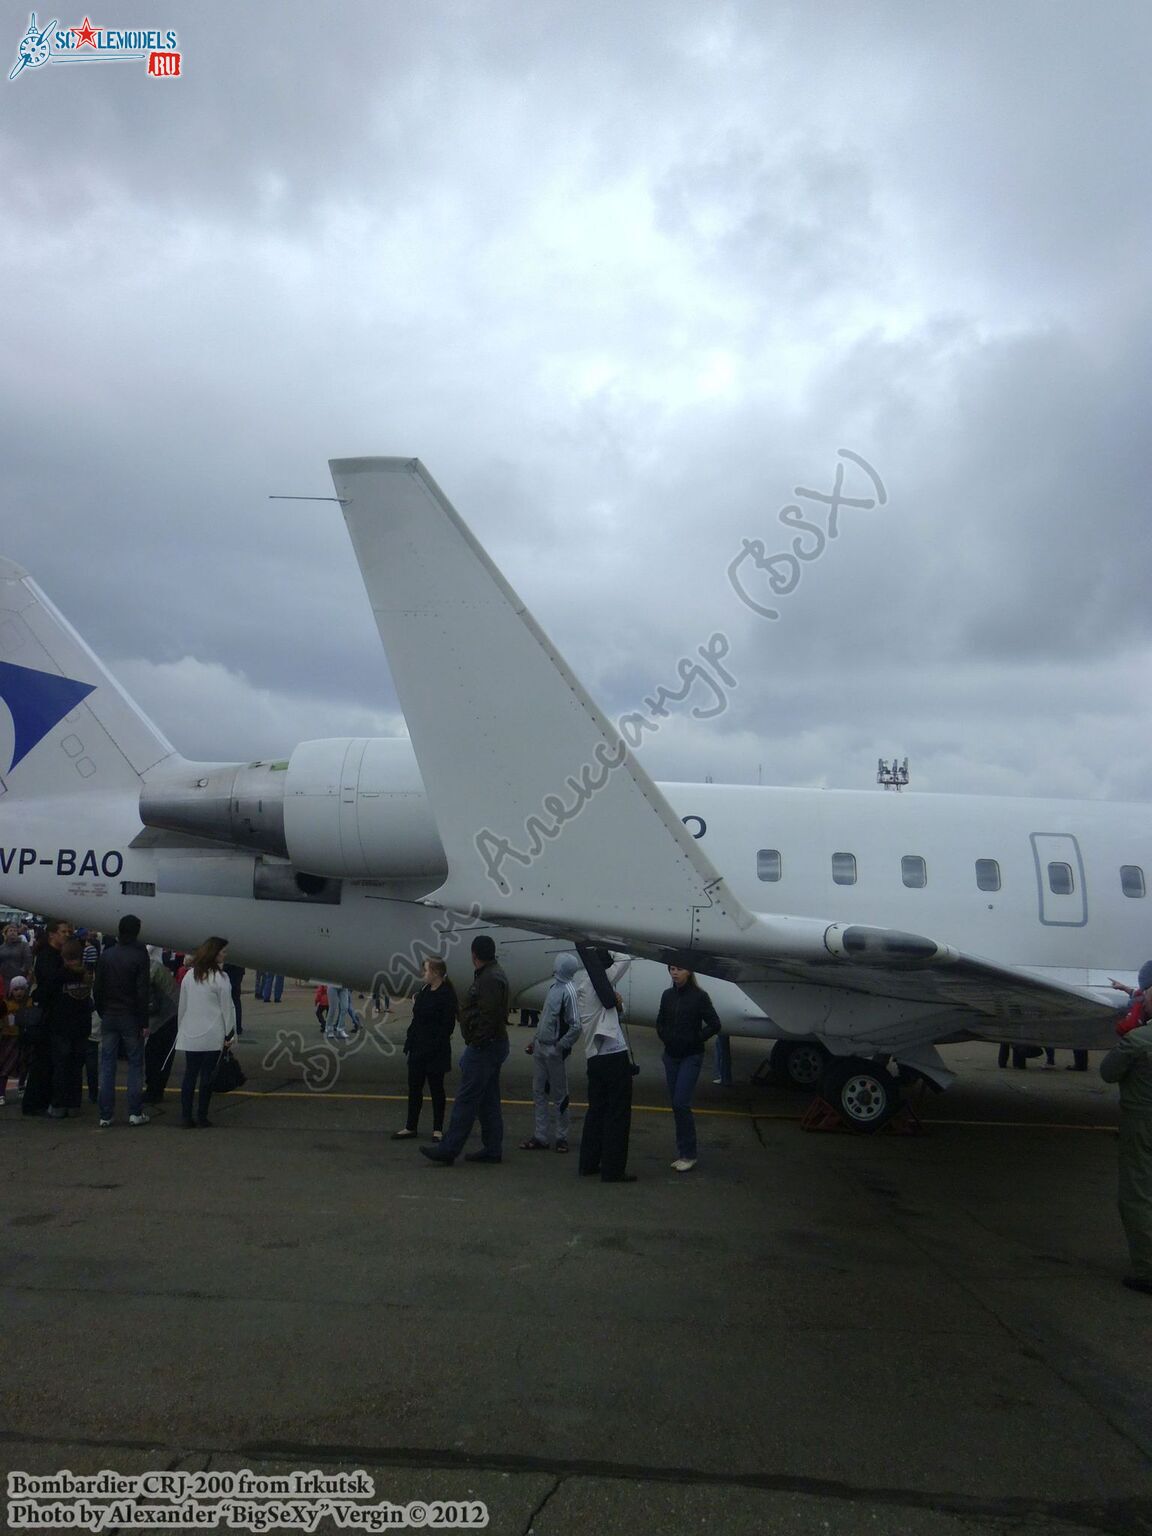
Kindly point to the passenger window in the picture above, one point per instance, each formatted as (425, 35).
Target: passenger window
(768, 864)
(1132, 880)
(1060, 879)
(913, 871)
(844, 868)
(987, 875)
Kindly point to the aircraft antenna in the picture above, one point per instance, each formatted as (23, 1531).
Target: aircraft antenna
(892, 775)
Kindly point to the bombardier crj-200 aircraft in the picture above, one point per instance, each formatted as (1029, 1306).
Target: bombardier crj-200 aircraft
(858, 930)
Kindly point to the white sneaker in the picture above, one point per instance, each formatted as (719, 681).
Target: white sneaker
(3, 1101)
(682, 1164)
(139, 1119)
(104, 1124)
(342, 1034)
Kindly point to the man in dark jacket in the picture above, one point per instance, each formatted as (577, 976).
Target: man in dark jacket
(484, 1025)
(235, 975)
(121, 995)
(1130, 1065)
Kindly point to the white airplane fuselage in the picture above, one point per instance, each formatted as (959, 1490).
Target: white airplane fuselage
(1062, 908)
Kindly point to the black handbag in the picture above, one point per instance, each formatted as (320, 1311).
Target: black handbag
(228, 1075)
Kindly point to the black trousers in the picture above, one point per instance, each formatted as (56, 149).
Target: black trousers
(197, 1065)
(418, 1074)
(1019, 1054)
(39, 1074)
(69, 1053)
(159, 1054)
(92, 1070)
(604, 1144)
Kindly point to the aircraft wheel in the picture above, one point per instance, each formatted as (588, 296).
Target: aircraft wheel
(865, 1095)
(798, 1063)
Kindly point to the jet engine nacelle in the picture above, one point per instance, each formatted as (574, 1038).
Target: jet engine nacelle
(347, 807)
(356, 807)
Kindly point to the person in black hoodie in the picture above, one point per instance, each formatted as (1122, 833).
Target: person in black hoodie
(48, 975)
(685, 1023)
(70, 1026)
(428, 1047)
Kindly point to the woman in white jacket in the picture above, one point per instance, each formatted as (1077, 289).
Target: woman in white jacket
(206, 1026)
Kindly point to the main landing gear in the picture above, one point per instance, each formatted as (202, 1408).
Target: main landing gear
(856, 1092)
(863, 1093)
(795, 1064)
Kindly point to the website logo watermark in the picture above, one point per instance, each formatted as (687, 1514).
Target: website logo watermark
(157, 50)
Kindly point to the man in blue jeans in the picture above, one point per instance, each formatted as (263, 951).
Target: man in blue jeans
(121, 994)
(484, 1025)
(269, 987)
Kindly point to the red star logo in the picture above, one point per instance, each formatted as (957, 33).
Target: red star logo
(85, 34)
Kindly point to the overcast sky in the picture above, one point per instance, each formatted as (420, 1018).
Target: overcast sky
(623, 276)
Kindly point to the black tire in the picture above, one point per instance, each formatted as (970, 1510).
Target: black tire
(799, 1064)
(864, 1094)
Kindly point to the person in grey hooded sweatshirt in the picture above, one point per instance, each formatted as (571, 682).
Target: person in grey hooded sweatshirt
(556, 1034)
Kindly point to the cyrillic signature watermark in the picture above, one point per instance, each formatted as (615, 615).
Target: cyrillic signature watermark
(556, 811)
(784, 572)
(785, 569)
(320, 1061)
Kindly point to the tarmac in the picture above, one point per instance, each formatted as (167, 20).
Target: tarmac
(908, 1335)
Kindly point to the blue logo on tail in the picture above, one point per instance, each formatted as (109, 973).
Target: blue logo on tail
(38, 701)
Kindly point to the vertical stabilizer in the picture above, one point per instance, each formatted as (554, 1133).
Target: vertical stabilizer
(576, 838)
(66, 725)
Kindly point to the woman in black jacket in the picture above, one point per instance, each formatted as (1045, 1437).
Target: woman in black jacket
(685, 1023)
(428, 1047)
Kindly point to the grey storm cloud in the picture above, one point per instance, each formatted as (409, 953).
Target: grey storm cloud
(624, 277)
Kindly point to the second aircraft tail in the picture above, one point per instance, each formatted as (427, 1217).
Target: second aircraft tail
(66, 725)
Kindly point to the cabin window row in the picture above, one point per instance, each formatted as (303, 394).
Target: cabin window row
(914, 873)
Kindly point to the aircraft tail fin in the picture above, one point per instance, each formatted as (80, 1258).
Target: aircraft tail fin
(65, 722)
(577, 837)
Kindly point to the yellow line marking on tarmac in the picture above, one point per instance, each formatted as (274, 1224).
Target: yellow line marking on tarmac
(1025, 1125)
(663, 1109)
(402, 1098)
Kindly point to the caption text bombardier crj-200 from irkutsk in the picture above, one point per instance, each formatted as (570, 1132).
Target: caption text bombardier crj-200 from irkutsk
(516, 803)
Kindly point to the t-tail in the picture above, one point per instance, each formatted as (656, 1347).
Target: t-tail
(66, 725)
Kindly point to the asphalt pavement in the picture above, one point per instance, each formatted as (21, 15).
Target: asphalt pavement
(807, 1333)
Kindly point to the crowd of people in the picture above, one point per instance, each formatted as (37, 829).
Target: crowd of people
(62, 992)
(70, 1003)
